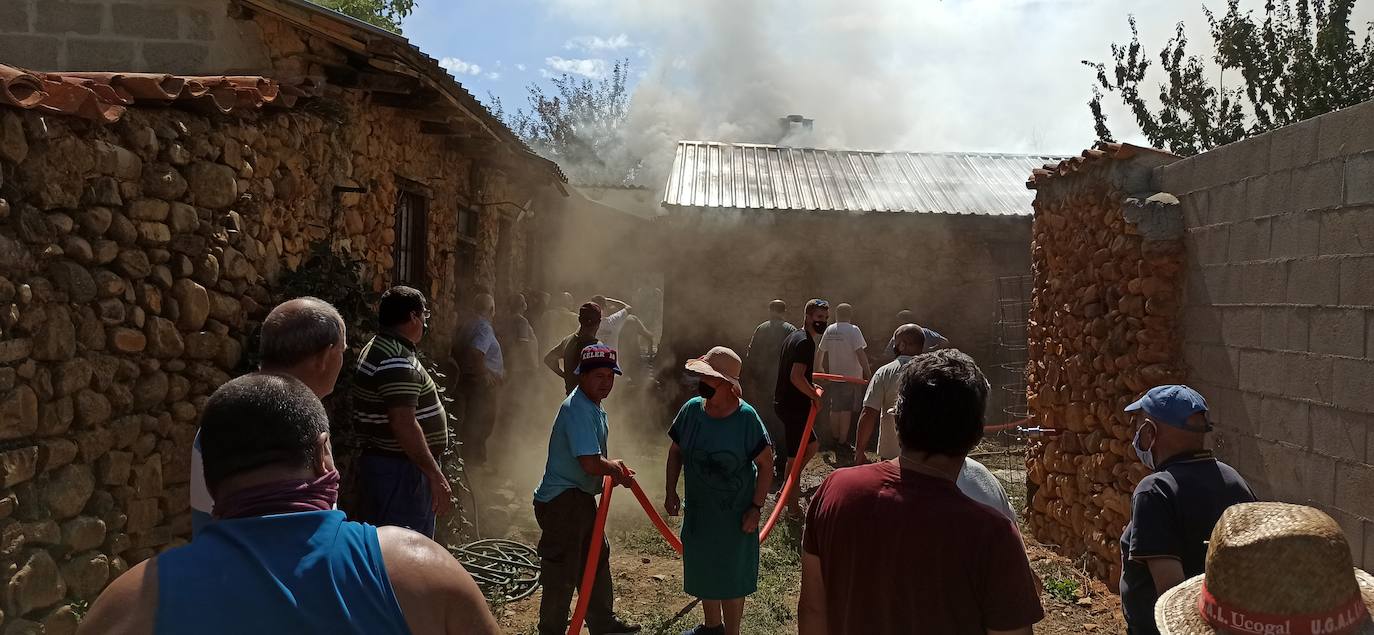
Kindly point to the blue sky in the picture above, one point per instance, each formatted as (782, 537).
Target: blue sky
(498, 47)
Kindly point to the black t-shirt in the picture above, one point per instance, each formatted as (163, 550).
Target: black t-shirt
(572, 356)
(1173, 512)
(798, 348)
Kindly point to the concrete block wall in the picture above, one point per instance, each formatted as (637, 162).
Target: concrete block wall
(163, 36)
(1279, 315)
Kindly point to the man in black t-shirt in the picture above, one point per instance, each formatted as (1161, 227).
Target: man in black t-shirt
(569, 350)
(794, 393)
(1174, 509)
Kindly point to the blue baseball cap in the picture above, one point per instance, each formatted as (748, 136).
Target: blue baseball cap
(597, 356)
(1172, 404)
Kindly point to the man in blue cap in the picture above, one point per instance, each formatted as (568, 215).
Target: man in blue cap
(1174, 509)
(565, 502)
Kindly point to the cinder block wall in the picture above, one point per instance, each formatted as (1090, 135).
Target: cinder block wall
(164, 36)
(1279, 317)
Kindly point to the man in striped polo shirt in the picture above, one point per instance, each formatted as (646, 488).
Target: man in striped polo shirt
(400, 421)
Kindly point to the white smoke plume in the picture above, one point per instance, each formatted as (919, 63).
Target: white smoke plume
(925, 75)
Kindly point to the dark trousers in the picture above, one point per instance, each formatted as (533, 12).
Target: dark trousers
(478, 404)
(566, 524)
(391, 490)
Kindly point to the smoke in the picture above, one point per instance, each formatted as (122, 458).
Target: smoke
(924, 75)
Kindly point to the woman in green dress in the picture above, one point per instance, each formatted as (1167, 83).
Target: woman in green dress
(721, 443)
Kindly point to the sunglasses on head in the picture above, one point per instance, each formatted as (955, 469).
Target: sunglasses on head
(821, 304)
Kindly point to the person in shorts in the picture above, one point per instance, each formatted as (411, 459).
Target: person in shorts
(843, 353)
(794, 395)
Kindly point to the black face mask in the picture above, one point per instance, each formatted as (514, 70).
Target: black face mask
(706, 390)
(819, 327)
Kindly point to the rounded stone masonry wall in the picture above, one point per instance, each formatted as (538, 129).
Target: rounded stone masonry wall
(135, 261)
(1104, 327)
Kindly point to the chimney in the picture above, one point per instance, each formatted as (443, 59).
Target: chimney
(794, 129)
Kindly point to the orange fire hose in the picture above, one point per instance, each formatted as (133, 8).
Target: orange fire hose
(663, 528)
(584, 593)
(793, 473)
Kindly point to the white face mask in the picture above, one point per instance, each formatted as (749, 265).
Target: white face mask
(1146, 456)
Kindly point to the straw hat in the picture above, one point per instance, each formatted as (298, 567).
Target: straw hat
(1272, 568)
(721, 363)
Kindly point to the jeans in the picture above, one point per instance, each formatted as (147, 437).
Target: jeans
(393, 491)
(566, 524)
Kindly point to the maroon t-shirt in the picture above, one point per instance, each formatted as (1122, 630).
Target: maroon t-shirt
(902, 552)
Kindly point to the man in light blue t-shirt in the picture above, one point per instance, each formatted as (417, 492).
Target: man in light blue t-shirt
(565, 501)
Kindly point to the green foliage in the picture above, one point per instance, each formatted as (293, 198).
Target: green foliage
(1299, 61)
(579, 123)
(386, 14)
(1062, 589)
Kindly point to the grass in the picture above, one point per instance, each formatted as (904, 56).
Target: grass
(769, 610)
(1062, 589)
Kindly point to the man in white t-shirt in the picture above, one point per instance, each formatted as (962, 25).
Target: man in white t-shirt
(614, 314)
(975, 481)
(842, 353)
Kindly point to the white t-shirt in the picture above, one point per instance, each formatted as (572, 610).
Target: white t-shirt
(976, 482)
(882, 396)
(839, 343)
(611, 325)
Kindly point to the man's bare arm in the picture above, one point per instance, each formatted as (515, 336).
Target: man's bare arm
(868, 420)
(1166, 571)
(128, 606)
(798, 377)
(863, 362)
(552, 358)
(811, 613)
(436, 595)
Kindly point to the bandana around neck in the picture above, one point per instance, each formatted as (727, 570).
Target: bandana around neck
(281, 497)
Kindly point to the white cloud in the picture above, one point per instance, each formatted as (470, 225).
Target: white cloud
(590, 67)
(594, 44)
(520, 67)
(494, 75)
(459, 67)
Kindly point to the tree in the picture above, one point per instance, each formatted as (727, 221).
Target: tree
(580, 124)
(1300, 61)
(386, 14)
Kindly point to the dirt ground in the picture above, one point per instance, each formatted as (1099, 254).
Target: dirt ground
(648, 580)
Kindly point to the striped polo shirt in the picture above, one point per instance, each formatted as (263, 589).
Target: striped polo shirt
(389, 375)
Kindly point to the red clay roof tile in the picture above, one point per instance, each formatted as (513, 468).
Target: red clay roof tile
(1101, 151)
(103, 97)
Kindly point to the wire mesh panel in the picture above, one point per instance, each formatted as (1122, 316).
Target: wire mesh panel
(1003, 450)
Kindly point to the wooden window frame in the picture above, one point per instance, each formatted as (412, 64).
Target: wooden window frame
(411, 248)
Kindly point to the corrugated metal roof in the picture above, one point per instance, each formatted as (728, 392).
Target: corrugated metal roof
(752, 176)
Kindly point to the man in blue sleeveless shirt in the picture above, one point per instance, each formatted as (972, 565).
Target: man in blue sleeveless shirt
(279, 558)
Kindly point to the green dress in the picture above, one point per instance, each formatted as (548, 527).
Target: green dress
(719, 561)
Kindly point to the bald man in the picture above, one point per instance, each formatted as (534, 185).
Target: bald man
(304, 338)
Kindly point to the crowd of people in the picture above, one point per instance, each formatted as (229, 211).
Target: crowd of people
(923, 540)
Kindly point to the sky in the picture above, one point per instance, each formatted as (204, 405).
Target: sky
(921, 75)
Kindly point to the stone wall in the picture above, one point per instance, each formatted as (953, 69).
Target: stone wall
(1279, 319)
(1104, 327)
(163, 36)
(722, 267)
(135, 261)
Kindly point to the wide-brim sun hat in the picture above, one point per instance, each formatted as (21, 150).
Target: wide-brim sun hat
(719, 362)
(1272, 568)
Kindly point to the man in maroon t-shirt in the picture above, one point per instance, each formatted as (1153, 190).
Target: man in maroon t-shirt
(944, 563)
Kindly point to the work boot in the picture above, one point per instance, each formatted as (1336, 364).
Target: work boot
(619, 627)
(703, 629)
